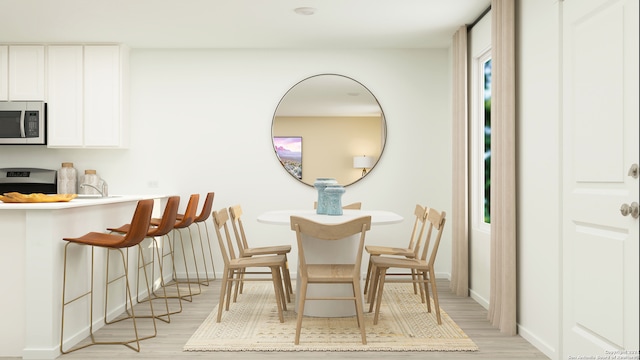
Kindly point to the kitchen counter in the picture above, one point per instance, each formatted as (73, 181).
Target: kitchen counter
(32, 261)
(77, 202)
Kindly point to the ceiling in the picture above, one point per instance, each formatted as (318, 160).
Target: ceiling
(236, 24)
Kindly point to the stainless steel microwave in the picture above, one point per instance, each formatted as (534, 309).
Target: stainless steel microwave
(23, 123)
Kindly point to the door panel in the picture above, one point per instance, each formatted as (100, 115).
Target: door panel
(600, 143)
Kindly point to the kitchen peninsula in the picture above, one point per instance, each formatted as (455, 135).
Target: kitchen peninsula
(32, 264)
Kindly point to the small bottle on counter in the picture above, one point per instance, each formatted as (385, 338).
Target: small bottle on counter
(90, 177)
(67, 179)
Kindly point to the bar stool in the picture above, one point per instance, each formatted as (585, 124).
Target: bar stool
(184, 222)
(165, 226)
(202, 217)
(139, 226)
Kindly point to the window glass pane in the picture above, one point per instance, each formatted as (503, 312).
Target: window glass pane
(487, 141)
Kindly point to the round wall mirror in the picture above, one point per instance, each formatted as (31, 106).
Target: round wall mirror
(331, 126)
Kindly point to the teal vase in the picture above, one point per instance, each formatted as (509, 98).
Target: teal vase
(333, 197)
(320, 184)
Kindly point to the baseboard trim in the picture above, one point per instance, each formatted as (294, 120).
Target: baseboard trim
(538, 343)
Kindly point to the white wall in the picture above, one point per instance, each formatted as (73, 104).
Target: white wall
(201, 121)
(539, 174)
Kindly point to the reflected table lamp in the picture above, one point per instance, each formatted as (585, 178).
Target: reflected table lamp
(363, 162)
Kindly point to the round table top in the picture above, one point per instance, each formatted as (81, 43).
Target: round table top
(283, 217)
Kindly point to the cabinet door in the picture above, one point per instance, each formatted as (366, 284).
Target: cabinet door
(4, 73)
(26, 72)
(102, 112)
(64, 104)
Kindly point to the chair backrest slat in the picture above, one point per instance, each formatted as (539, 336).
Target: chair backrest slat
(330, 232)
(436, 221)
(168, 220)
(419, 225)
(238, 229)
(206, 208)
(220, 220)
(139, 224)
(190, 213)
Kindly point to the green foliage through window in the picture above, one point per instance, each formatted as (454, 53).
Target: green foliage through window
(487, 141)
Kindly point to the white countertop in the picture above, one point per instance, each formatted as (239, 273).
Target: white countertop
(77, 202)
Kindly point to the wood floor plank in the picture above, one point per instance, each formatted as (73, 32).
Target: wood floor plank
(468, 314)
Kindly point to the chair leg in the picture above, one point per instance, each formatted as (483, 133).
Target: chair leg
(213, 266)
(65, 303)
(277, 287)
(286, 280)
(163, 284)
(424, 288)
(129, 296)
(414, 277)
(434, 290)
(301, 301)
(223, 293)
(367, 279)
(205, 280)
(143, 264)
(382, 275)
(359, 311)
(186, 269)
(287, 274)
(239, 284)
(373, 284)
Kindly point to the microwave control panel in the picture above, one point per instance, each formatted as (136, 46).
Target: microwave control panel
(32, 125)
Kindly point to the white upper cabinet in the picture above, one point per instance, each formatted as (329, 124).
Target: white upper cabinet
(4, 73)
(64, 104)
(87, 96)
(26, 72)
(103, 97)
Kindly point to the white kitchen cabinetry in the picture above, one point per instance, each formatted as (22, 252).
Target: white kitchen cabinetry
(88, 96)
(4, 73)
(64, 104)
(22, 72)
(26, 72)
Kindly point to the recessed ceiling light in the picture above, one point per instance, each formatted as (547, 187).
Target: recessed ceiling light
(305, 11)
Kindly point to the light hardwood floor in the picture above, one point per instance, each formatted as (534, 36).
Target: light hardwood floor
(470, 316)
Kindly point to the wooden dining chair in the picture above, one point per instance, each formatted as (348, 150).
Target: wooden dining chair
(352, 206)
(329, 273)
(235, 268)
(422, 266)
(245, 250)
(411, 251)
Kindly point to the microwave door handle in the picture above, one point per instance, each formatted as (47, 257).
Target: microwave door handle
(22, 134)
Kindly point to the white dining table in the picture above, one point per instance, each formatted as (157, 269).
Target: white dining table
(319, 251)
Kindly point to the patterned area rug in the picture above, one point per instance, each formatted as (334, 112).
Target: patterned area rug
(252, 324)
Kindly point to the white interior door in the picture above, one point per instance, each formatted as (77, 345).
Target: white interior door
(600, 145)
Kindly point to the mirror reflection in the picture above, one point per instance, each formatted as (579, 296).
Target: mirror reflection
(328, 125)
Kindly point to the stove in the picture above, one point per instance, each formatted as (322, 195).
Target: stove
(28, 180)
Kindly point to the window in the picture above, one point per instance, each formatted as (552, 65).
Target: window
(480, 151)
(487, 140)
